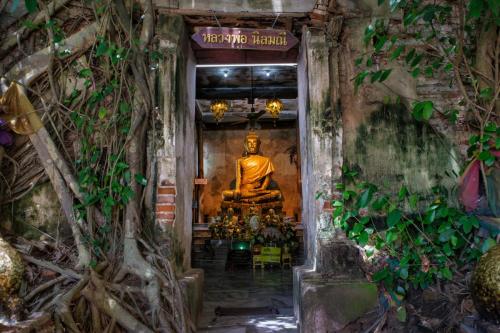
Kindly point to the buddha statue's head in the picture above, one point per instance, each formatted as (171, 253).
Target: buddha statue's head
(252, 143)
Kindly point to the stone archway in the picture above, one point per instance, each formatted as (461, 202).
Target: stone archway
(321, 142)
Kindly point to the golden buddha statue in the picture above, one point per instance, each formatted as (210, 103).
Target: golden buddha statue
(253, 175)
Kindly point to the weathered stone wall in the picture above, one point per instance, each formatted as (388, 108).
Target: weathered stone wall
(36, 215)
(221, 149)
(381, 139)
(176, 153)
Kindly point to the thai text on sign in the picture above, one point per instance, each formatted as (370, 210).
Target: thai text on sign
(241, 38)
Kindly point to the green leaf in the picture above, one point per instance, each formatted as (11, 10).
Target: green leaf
(141, 179)
(476, 8)
(416, 60)
(375, 76)
(380, 275)
(391, 236)
(358, 80)
(488, 244)
(380, 43)
(410, 55)
(485, 155)
(423, 110)
(385, 74)
(409, 18)
(403, 192)
(365, 198)
(30, 25)
(337, 203)
(446, 235)
(363, 238)
(446, 273)
(490, 127)
(369, 33)
(413, 201)
(403, 273)
(429, 12)
(486, 93)
(397, 52)
(473, 139)
(452, 115)
(466, 224)
(358, 61)
(401, 314)
(102, 112)
(415, 72)
(394, 217)
(84, 73)
(380, 203)
(31, 6)
(102, 49)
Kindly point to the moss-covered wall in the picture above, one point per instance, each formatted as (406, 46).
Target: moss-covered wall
(390, 148)
(36, 215)
(381, 139)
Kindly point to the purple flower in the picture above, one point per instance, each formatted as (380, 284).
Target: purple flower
(6, 139)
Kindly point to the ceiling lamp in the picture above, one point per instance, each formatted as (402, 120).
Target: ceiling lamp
(218, 108)
(274, 106)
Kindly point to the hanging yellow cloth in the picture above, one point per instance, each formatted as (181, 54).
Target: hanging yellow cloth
(20, 115)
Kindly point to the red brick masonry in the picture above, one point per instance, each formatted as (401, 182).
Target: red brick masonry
(165, 205)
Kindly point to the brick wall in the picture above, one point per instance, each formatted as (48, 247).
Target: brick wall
(165, 205)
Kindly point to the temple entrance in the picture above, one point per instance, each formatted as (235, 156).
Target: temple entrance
(249, 128)
(247, 231)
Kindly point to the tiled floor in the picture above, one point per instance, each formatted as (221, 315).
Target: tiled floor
(245, 288)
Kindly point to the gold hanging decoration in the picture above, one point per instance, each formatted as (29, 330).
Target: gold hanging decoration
(274, 106)
(20, 116)
(218, 108)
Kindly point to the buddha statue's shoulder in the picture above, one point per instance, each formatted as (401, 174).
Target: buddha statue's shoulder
(255, 158)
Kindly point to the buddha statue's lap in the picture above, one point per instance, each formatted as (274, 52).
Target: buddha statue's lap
(253, 176)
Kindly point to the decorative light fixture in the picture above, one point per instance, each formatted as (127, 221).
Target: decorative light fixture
(218, 108)
(274, 106)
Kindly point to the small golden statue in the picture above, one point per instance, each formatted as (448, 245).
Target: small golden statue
(253, 176)
(230, 219)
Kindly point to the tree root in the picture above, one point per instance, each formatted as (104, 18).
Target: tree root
(62, 304)
(106, 303)
(52, 267)
(43, 287)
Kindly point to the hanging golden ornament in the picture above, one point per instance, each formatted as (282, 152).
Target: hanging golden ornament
(274, 106)
(218, 108)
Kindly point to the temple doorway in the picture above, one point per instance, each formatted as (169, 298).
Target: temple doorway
(247, 241)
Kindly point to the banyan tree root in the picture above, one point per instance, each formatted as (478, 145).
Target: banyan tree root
(93, 301)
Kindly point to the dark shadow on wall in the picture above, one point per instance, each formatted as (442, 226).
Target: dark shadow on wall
(391, 148)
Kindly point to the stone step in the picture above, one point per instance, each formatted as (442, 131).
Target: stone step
(252, 324)
(229, 329)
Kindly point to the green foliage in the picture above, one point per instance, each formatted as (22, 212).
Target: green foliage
(102, 122)
(31, 5)
(425, 240)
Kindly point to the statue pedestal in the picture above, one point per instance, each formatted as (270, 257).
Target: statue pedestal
(243, 208)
